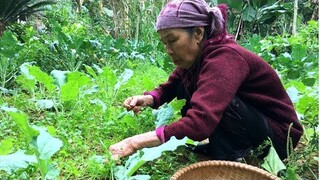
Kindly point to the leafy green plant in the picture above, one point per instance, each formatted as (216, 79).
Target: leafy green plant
(79, 73)
(43, 144)
(148, 154)
(254, 16)
(295, 59)
(9, 46)
(272, 163)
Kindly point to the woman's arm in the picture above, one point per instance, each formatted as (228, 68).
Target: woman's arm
(167, 91)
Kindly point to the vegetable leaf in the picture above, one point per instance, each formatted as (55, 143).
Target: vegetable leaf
(148, 154)
(22, 122)
(59, 77)
(123, 78)
(272, 162)
(163, 115)
(5, 146)
(47, 145)
(16, 161)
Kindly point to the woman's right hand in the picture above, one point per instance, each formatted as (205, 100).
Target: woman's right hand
(135, 103)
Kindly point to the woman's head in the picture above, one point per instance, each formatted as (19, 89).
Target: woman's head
(182, 45)
(193, 13)
(184, 24)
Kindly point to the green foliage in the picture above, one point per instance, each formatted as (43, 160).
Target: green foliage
(295, 57)
(266, 17)
(254, 16)
(272, 162)
(148, 154)
(163, 115)
(18, 160)
(9, 46)
(22, 122)
(5, 146)
(11, 10)
(76, 92)
(72, 73)
(43, 144)
(296, 60)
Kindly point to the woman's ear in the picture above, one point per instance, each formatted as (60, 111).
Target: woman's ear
(199, 33)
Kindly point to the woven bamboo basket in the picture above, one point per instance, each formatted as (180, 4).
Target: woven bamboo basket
(222, 170)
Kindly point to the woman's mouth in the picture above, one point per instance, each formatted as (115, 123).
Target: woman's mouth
(176, 61)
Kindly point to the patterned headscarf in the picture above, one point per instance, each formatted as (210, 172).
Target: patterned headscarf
(193, 13)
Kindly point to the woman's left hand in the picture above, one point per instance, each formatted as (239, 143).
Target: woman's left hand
(130, 145)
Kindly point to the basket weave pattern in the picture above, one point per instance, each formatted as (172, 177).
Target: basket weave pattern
(222, 170)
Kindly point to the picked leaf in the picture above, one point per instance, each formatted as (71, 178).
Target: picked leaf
(177, 104)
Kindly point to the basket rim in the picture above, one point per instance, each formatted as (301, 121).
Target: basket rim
(232, 164)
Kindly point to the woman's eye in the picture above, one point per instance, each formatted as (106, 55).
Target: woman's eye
(172, 41)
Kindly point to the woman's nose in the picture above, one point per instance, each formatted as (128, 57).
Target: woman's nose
(169, 50)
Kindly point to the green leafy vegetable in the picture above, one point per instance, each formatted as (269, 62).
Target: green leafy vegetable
(47, 145)
(272, 162)
(59, 77)
(163, 114)
(148, 154)
(123, 78)
(11, 163)
(5, 146)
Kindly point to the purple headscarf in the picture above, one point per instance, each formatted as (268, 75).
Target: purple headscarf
(193, 13)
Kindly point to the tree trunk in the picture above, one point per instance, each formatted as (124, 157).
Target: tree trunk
(122, 23)
(295, 15)
(315, 10)
(79, 4)
(2, 28)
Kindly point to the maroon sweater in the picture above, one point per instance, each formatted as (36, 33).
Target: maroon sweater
(223, 71)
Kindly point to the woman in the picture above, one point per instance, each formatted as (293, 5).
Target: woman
(233, 97)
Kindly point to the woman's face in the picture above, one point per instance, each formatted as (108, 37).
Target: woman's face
(182, 47)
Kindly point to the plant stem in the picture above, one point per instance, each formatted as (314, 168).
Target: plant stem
(315, 176)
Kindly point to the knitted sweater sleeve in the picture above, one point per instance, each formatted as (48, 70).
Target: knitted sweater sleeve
(222, 73)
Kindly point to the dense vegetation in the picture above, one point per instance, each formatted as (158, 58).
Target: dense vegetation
(65, 72)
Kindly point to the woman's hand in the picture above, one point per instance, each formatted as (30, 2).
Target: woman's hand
(130, 145)
(135, 103)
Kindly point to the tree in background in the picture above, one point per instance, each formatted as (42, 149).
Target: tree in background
(267, 17)
(12, 10)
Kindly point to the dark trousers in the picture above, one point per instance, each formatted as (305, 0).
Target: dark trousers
(241, 129)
